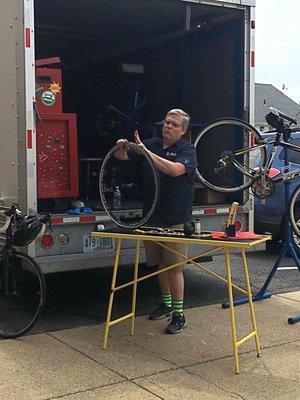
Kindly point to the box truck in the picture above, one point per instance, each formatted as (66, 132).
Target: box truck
(76, 75)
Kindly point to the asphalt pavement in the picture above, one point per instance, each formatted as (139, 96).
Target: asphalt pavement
(80, 298)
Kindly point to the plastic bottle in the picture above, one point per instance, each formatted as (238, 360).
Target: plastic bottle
(117, 197)
(79, 204)
(197, 227)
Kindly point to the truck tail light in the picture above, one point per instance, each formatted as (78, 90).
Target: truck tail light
(47, 240)
(238, 225)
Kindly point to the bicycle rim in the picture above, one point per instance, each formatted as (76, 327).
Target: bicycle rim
(127, 175)
(294, 211)
(22, 294)
(235, 140)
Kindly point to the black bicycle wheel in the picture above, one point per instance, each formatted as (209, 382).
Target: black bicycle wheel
(22, 294)
(122, 187)
(228, 154)
(294, 211)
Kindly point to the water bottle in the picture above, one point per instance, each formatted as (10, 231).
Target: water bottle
(197, 227)
(79, 204)
(117, 197)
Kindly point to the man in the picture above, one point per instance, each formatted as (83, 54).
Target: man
(176, 161)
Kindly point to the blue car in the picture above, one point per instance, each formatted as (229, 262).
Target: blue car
(269, 213)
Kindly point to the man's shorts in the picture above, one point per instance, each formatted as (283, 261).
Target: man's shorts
(157, 255)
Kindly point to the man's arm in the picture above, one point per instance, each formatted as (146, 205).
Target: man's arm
(166, 166)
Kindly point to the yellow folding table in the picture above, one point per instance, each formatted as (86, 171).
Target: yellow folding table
(215, 246)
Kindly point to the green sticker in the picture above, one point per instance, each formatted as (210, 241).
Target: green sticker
(48, 98)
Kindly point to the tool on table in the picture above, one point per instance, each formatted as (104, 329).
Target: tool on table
(230, 224)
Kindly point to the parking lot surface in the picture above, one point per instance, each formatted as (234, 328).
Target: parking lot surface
(80, 298)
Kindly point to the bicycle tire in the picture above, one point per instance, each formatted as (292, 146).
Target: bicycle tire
(210, 145)
(115, 215)
(22, 294)
(3, 224)
(294, 211)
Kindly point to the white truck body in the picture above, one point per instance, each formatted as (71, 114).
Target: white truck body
(210, 43)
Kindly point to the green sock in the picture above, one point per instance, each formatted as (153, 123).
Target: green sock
(167, 299)
(178, 307)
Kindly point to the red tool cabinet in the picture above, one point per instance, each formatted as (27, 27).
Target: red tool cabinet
(56, 137)
(57, 162)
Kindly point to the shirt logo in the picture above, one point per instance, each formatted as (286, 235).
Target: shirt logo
(170, 154)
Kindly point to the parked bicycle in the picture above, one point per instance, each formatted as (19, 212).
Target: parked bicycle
(244, 162)
(22, 284)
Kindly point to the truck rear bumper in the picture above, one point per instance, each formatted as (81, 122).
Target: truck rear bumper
(80, 261)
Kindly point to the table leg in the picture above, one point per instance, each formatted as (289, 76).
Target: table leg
(112, 293)
(232, 314)
(134, 289)
(252, 313)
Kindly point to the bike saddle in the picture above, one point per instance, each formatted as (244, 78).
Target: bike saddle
(279, 113)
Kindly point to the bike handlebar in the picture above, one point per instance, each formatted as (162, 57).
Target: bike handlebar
(46, 218)
(280, 114)
(14, 211)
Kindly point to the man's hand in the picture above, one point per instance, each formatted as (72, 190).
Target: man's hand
(121, 152)
(138, 141)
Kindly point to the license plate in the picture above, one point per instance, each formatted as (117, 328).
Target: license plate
(91, 243)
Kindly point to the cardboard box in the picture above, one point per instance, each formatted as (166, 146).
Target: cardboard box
(208, 196)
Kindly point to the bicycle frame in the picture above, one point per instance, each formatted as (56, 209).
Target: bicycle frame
(230, 158)
(281, 143)
(263, 171)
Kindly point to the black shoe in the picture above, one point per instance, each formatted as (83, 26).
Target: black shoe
(177, 324)
(161, 311)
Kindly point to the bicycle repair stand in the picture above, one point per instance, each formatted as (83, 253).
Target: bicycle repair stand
(287, 247)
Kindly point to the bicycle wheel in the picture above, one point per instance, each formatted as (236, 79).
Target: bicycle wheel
(228, 155)
(122, 187)
(294, 211)
(4, 221)
(22, 294)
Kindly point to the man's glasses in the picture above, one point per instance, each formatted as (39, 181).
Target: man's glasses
(172, 123)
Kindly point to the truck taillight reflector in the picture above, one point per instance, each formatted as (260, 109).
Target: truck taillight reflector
(252, 59)
(210, 211)
(29, 139)
(27, 37)
(47, 240)
(86, 218)
(57, 220)
(252, 140)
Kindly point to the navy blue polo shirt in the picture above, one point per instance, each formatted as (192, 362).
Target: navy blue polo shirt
(176, 193)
